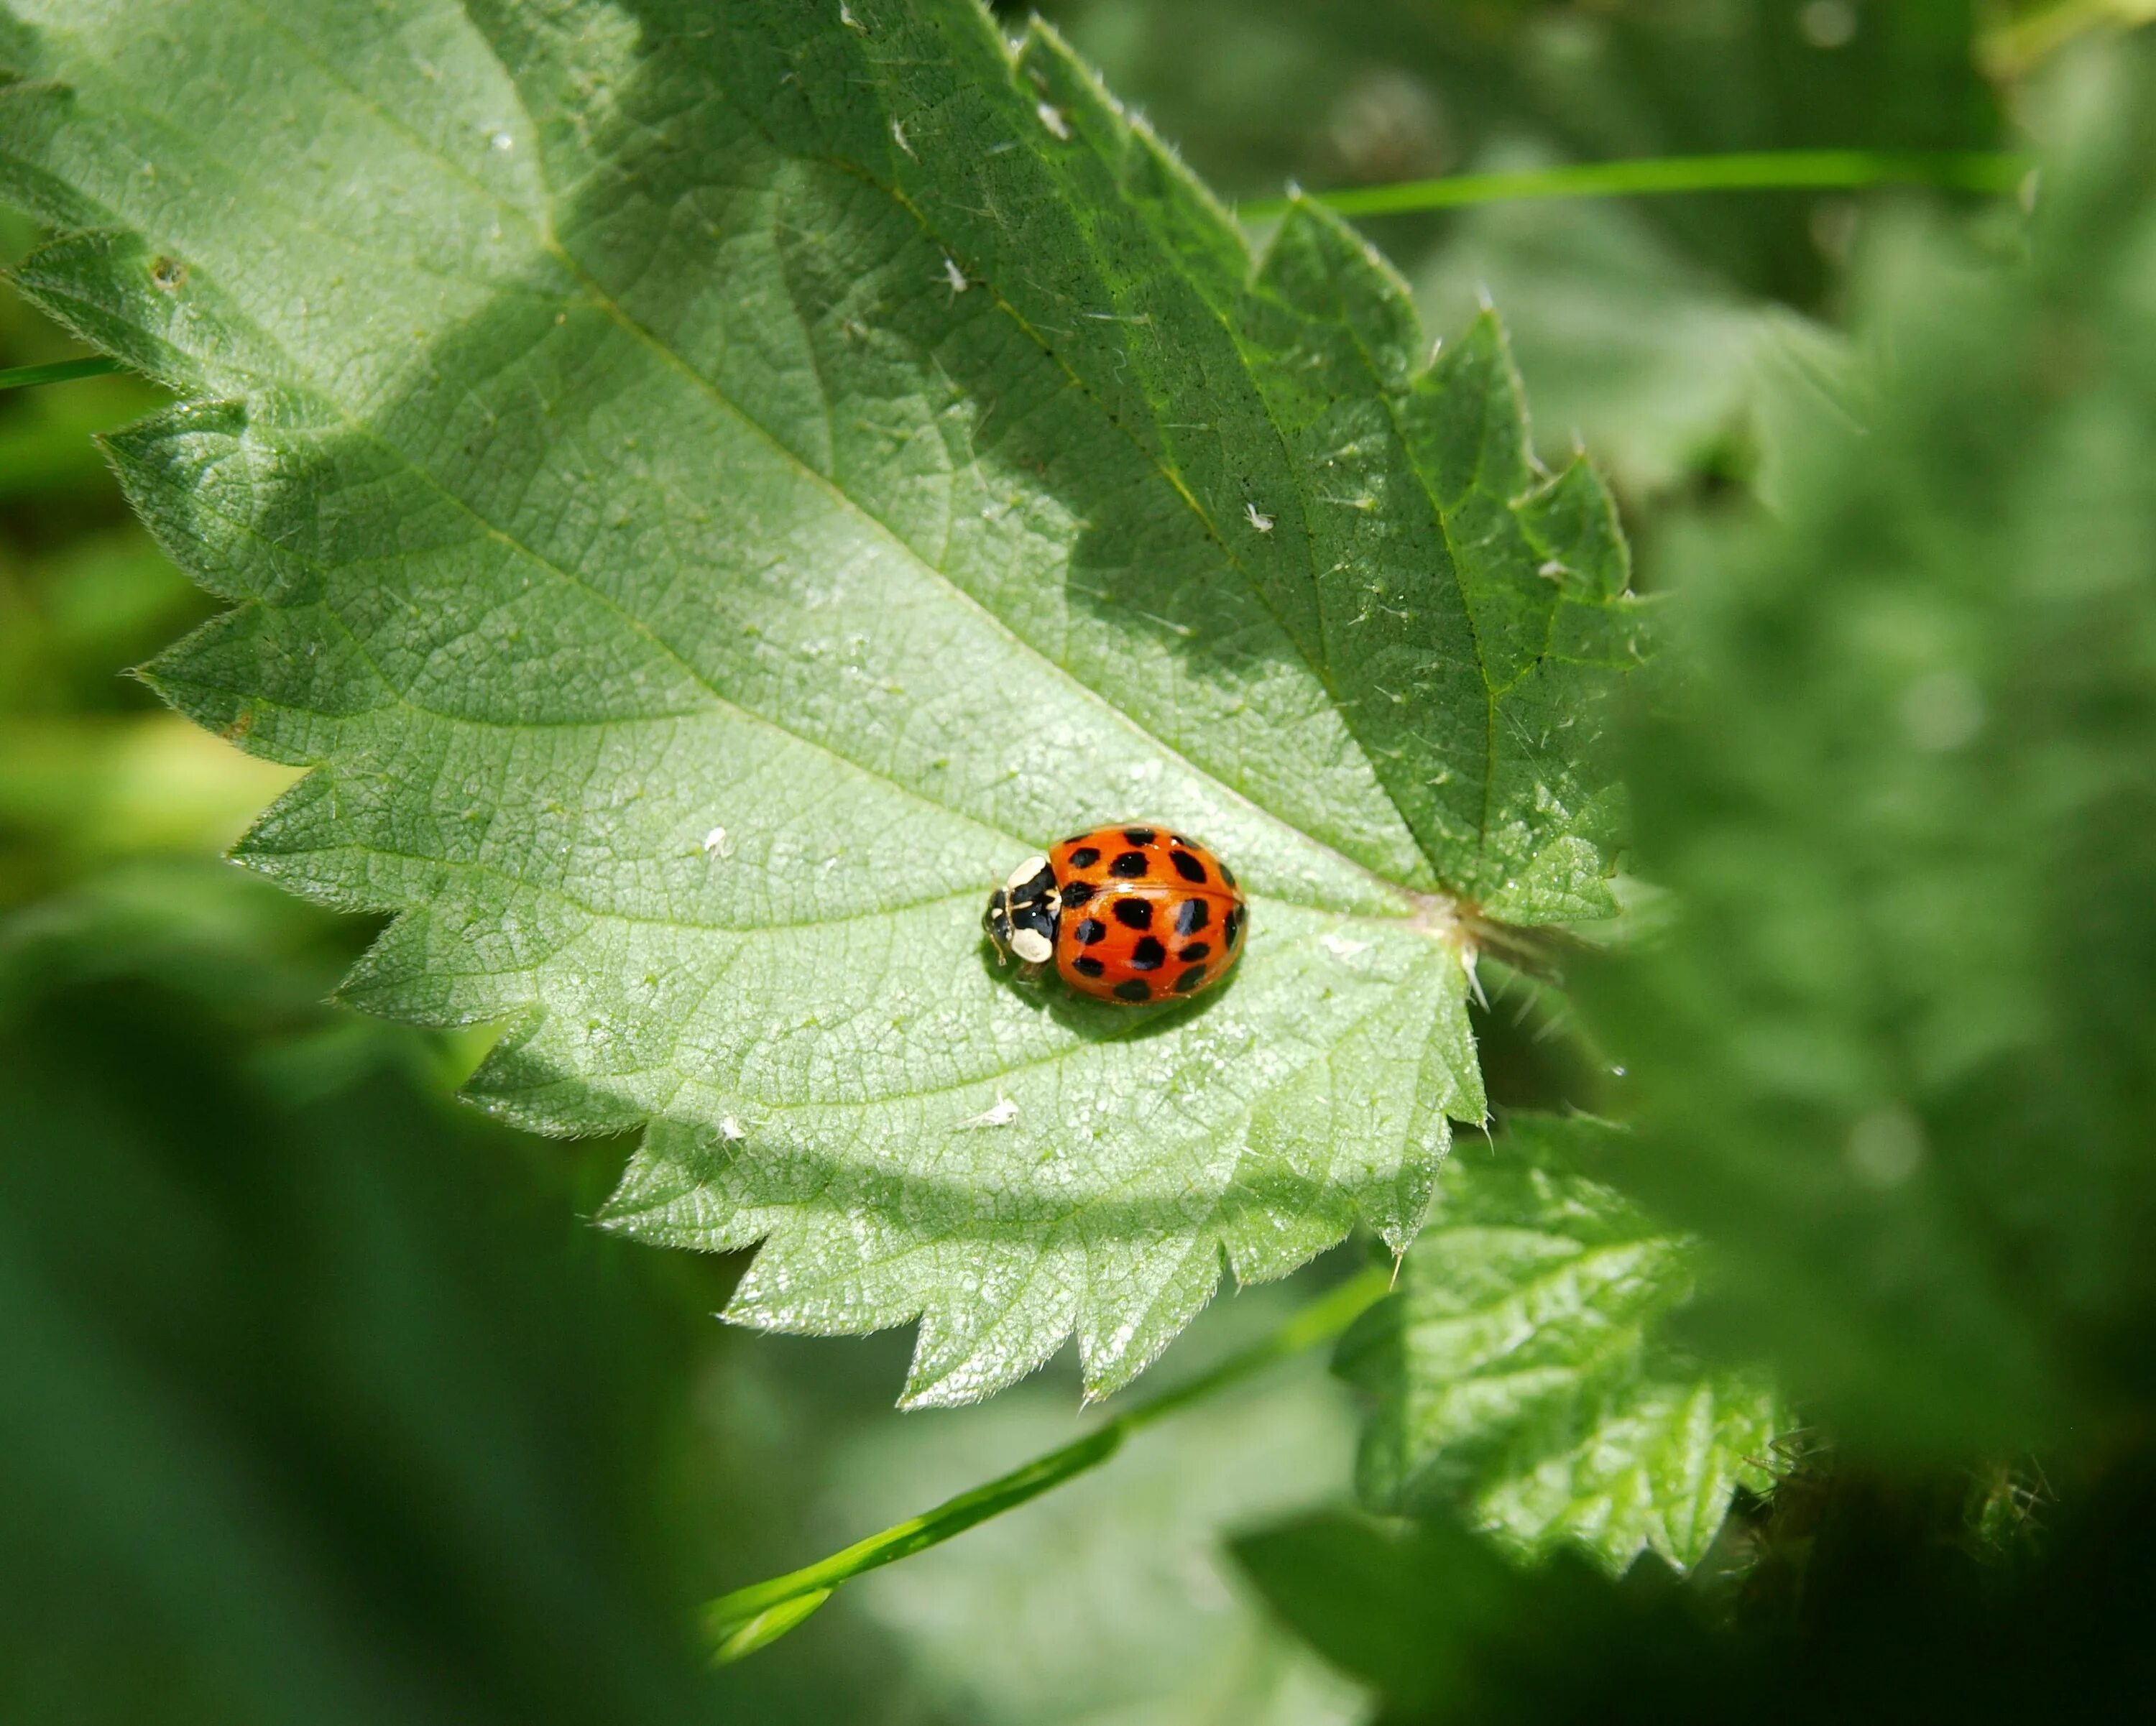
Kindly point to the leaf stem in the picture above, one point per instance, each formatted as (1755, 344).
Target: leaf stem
(751, 1618)
(1780, 169)
(59, 371)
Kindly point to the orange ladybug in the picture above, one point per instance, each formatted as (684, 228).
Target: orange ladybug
(1129, 914)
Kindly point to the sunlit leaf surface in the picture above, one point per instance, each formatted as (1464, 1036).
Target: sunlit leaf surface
(706, 489)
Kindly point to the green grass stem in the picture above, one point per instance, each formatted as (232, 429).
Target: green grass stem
(1772, 170)
(754, 1617)
(22, 378)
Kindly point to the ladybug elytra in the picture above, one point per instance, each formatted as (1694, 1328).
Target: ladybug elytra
(1129, 914)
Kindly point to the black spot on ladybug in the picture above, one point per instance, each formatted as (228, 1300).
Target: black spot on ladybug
(1140, 836)
(1148, 954)
(1186, 866)
(1129, 865)
(1231, 925)
(1084, 858)
(1076, 893)
(1134, 913)
(1177, 839)
(1195, 951)
(1190, 979)
(1190, 916)
(1092, 930)
(1088, 967)
(1134, 990)
(1227, 874)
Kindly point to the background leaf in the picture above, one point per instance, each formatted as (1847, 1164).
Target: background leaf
(1444, 1629)
(1402, 90)
(1877, 1606)
(700, 529)
(1894, 1062)
(1521, 1375)
(324, 1404)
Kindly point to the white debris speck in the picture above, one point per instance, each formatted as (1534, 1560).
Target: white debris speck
(1001, 1115)
(1258, 518)
(898, 137)
(731, 1130)
(1552, 571)
(1052, 116)
(955, 277)
(717, 846)
(1341, 947)
(847, 19)
(504, 139)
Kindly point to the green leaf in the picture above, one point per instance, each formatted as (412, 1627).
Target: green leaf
(708, 488)
(1521, 1376)
(1894, 1061)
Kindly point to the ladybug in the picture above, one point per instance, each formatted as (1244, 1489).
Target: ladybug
(1128, 914)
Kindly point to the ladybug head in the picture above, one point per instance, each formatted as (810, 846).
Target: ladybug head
(1021, 913)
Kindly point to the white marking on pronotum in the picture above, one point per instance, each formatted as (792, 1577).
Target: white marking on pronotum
(898, 137)
(955, 277)
(1341, 947)
(717, 846)
(1001, 1115)
(1052, 116)
(1258, 518)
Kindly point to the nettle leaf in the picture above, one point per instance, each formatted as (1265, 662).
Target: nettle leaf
(1520, 1378)
(707, 488)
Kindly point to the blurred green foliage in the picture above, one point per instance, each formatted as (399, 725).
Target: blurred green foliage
(322, 1405)
(1400, 88)
(1895, 1059)
(1890, 1612)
